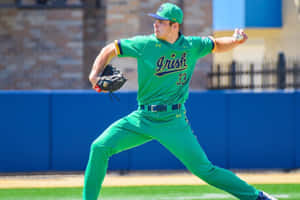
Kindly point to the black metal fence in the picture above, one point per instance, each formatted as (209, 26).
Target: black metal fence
(280, 74)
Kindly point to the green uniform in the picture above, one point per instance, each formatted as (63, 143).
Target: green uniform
(164, 73)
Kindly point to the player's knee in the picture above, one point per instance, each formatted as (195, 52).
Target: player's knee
(100, 150)
(204, 171)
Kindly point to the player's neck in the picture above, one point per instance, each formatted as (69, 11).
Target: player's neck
(172, 38)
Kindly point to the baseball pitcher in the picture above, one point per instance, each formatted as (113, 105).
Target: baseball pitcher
(166, 61)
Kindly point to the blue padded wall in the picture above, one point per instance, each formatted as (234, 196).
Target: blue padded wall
(297, 129)
(24, 130)
(121, 161)
(78, 119)
(207, 113)
(153, 155)
(53, 130)
(261, 130)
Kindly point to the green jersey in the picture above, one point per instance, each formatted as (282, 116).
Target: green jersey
(164, 69)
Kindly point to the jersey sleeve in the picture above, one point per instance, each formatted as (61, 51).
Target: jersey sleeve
(130, 47)
(203, 45)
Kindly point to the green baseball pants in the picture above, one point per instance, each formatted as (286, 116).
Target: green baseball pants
(172, 130)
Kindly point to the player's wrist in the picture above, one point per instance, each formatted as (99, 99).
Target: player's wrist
(93, 80)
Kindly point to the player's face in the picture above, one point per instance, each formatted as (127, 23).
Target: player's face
(162, 29)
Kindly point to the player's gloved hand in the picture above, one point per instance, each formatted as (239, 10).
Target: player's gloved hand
(110, 80)
(240, 36)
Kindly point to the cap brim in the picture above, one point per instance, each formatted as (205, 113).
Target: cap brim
(157, 16)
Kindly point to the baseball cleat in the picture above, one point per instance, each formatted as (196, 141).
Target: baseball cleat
(265, 196)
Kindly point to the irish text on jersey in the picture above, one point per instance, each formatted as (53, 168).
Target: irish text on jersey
(169, 65)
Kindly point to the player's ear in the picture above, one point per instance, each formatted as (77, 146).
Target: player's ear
(175, 25)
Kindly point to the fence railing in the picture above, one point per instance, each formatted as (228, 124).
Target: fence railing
(280, 74)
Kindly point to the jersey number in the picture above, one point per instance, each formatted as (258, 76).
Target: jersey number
(182, 79)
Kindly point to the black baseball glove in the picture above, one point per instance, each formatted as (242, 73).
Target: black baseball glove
(110, 80)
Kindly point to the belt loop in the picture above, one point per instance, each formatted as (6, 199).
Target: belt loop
(152, 108)
(176, 106)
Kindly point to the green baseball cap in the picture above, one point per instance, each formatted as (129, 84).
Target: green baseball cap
(168, 11)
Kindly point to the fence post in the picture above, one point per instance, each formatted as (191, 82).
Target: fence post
(296, 79)
(233, 75)
(281, 70)
(218, 76)
(252, 76)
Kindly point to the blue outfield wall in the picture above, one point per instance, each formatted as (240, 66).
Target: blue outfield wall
(296, 122)
(24, 131)
(80, 117)
(53, 130)
(261, 130)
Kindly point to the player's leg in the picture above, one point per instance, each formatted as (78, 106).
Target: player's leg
(181, 141)
(118, 137)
